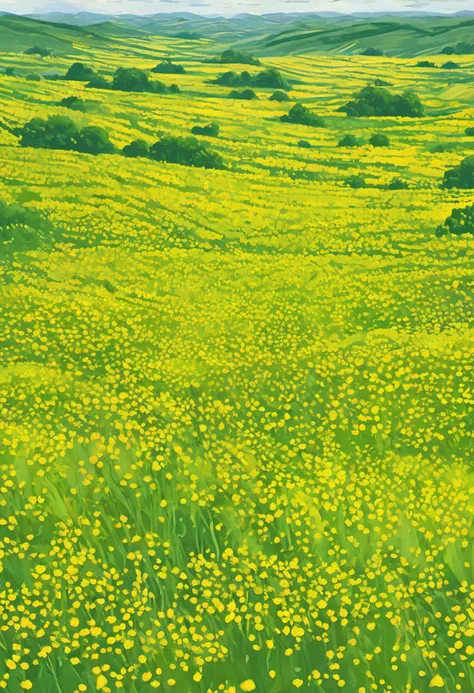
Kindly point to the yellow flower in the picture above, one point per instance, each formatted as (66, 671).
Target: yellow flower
(101, 682)
(297, 683)
(26, 685)
(248, 685)
(437, 682)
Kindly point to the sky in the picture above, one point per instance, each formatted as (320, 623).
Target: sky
(226, 8)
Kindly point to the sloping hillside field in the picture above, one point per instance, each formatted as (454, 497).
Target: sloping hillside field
(235, 444)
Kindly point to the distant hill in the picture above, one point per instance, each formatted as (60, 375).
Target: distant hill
(396, 34)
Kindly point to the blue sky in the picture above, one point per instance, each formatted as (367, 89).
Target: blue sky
(228, 7)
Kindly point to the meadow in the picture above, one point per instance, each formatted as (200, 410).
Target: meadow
(236, 405)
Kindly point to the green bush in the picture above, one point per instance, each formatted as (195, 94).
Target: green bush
(372, 52)
(379, 140)
(304, 144)
(131, 79)
(461, 176)
(33, 77)
(232, 79)
(74, 103)
(60, 132)
(38, 50)
(243, 95)
(211, 130)
(10, 71)
(57, 132)
(233, 57)
(348, 141)
(279, 96)
(94, 140)
(99, 82)
(469, 132)
(397, 184)
(460, 222)
(166, 67)
(425, 63)
(450, 65)
(187, 151)
(270, 79)
(356, 181)
(137, 148)
(78, 72)
(377, 101)
(300, 115)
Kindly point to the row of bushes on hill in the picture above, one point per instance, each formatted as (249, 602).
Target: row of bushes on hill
(450, 65)
(377, 140)
(60, 132)
(358, 182)
(266, 79)
(187, 151)
(461, 176)
(233, 57)
(130, 79)
(378, 101)
(38, 50)
(461, 48)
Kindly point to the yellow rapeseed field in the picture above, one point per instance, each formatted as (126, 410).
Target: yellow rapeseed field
(235, 441)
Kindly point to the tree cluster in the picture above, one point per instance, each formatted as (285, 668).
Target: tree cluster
(187, 151)
(459, 222)
(377, 101)
(301, 115)
(60, 132)
(461, 176)
(166, 67)
(266, 79)
(233, 57)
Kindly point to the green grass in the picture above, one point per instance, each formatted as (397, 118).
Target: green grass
(236, 407)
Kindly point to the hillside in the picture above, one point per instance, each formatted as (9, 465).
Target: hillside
(235, 370)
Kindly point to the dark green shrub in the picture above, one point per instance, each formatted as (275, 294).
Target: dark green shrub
(78, 72)
(99, 82)
(166, 67)
(233, 57)
(279, 96)
(188, 35)
(57, 132)
(448, 50)
(356, 181)
(211, 130)
(469, 132)
(270, 79)
(348, 141)
(94, 140)
(187, 151)
(439, 149)
(460, 222)
(38, 50)
(425, 63)
(381, 83)
(244, 95)
(398, 184)
(33, 77)
(461, 176)
(131, 79)
(377, 101)
(10, 71)
(74, 103)
(137, 148)
(450, 65)
(300, 115)
(379, 140)
(372, 52)
(232, 79)
(304, 144)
